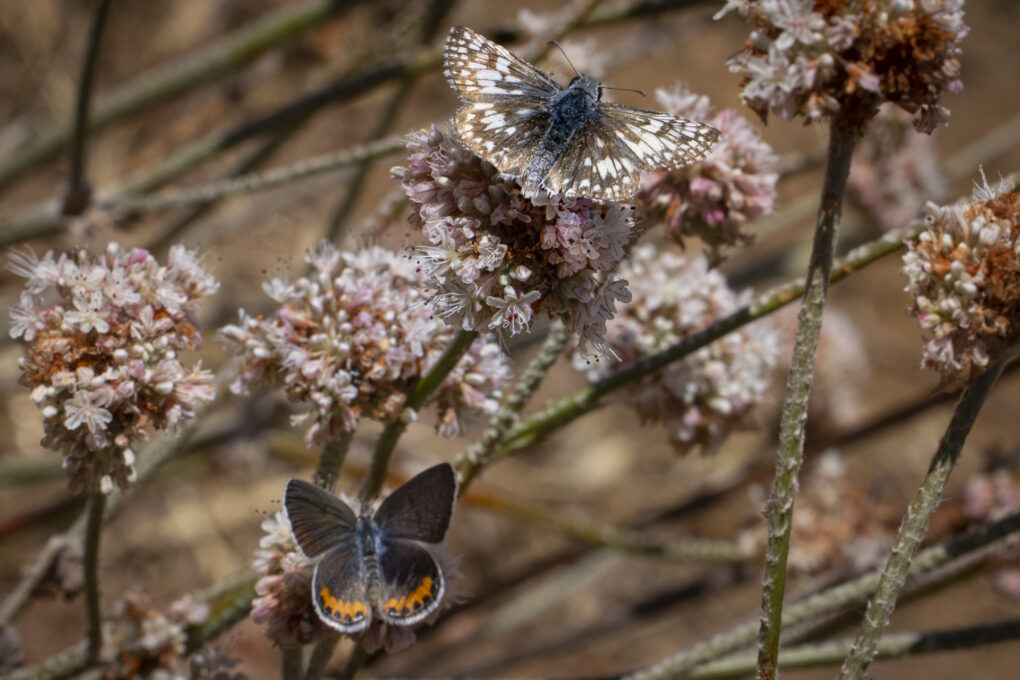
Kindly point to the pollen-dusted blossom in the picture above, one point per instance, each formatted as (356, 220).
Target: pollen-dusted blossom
(716, 198)
(496, 258)
(964, 277)
(707, 395)
(837, 524)
(284, 589)
(103, 340)
(352, 337)
(815, 58)
(895, 170)
(141, 641)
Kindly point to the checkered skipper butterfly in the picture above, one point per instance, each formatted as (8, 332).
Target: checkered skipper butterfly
(564, 140)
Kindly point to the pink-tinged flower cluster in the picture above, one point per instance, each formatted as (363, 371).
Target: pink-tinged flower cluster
(496, 258)
(964, 278)
(707, 395)
(352, 337)
(813, 58)
(284, 589)
(714, 199)
(103, 336)
(895, 170)
(993, 494)
(141, 641)
(836, 526)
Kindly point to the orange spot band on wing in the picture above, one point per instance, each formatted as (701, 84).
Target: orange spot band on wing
(421, 597)
(338, 609)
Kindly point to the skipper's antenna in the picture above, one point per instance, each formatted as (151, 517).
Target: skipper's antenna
(564, 53)
(625, 89)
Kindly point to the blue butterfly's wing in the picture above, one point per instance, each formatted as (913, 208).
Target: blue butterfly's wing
(340, 590)
(320, 521)
(412, 583)
(421, 509)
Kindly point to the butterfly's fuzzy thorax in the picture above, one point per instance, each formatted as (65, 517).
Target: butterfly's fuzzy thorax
(523, 122)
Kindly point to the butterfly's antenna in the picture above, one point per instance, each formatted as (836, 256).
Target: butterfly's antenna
(625, 89)
(564, 53)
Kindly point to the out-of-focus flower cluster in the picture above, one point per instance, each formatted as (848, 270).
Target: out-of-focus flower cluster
(496, 258)
(716, 198)
(145, 642)
(352, 337)
(992, 494)
(584, 55)
(815, 58)
(707, 395)
(836, 526)
(964, 278)
(284, 589)
(895, 170)
(103, 360)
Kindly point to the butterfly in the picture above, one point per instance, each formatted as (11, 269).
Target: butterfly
(564, 140)
(375, 566)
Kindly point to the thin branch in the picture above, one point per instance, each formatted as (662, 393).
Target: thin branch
(472, 459)
(321, 654)
(689, 549)
(793, 420)
(291, 663)
(541, 425)
(830, 600)
(387, 442)
(93, 528)
(331, 459)
(915, 522)
(169, 80)
(78, 191)
(259, 181)
(895, 646)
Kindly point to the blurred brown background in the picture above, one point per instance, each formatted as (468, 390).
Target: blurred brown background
(537, 604)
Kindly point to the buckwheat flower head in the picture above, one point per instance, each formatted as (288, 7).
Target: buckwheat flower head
(495, 258)
(145, 641)
(103, 336)
(352, 337)
(964, 276)
(895, 170)
(708, 394)
(284, 589)
(815, 58)
(716, 198)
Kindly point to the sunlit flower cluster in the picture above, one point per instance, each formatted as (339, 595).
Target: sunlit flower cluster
(496, 258)
(352, 337)
(103, 360)
(964, 278)
(836, 525)
(144, 641)
(716, 198)
(815, 58)
(895, 170)
(284, 589)
(707, 395)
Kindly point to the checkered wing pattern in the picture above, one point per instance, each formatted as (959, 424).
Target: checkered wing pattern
(606, 157)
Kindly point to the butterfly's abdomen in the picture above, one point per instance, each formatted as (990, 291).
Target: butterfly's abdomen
(571, 111)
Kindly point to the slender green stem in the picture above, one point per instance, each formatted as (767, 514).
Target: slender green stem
(915, 523)
(93, 529)
(78, 192)
(415, 400)
(831, 600)
(260, 181)
(331, 459)
(291, 663)
(895, 646)
(793, 420)
(321, 654)
(169, 80)
(472, 459)
(689, 549)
